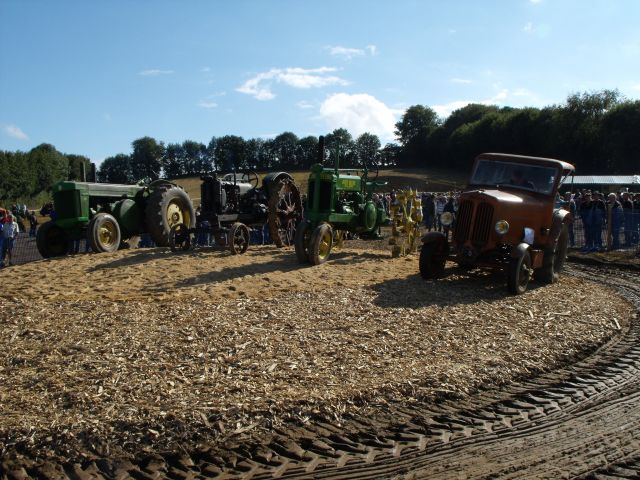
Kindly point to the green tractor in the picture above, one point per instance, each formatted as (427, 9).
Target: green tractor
(112, 216)
(338, 201)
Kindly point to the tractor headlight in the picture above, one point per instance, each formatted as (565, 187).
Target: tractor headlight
(446, 219)
(529, 235)
(502, 227)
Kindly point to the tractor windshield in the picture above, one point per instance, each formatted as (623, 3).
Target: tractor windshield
(536, 178)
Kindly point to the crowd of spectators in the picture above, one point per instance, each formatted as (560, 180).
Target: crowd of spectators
(600, 215)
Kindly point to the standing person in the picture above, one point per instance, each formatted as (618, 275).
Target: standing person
(570, 205)
(33, 224)
(627, 210)
(9, 235)
(617, 217)
(586, 214)
(599, 218)
(635, 237)
(428, 211)
(440, 203)
(449, 207)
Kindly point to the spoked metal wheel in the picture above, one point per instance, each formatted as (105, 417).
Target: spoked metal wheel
(238, 238)
(179, 237)
(285, 212)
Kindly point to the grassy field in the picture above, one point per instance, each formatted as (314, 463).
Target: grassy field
(417, 178)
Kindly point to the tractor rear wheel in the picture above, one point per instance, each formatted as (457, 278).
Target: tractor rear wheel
(168, 205)
(285, 211)
(103, 233)
(51, 240)
(238, 238)
(320, 244)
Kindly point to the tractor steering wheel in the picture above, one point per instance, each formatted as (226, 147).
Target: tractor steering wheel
(253, 179)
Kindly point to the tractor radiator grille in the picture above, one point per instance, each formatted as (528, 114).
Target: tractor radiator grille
(482, 224)
(463, 223)
(67, 204)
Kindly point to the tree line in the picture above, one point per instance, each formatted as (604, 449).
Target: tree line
(25, 176)
(150, 158)
(596, 131)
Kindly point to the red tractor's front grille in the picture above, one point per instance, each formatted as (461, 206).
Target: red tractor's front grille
(463, 223)
(482, 224)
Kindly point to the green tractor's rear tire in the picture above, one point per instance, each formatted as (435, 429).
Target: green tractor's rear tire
(301, 242)
(168, 205)
(103, 233)
(51, 240)
(320, 244)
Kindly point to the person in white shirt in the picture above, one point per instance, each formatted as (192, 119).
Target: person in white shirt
(9, 234)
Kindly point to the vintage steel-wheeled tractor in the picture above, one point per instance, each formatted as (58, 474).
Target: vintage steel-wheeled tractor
(233, 203)
(506, 219)
(112, 216)
(338, 201)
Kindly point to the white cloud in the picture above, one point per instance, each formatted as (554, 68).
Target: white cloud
(535, 2)
(260, 86)
(154, 72)
(528, 28)
(205, 69)
(348, 53)
(15, 132)
(359, 113)
(206, 104)
(635, 86)
(304, 104)
(462, 81)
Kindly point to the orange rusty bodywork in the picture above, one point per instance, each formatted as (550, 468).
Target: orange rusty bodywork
(475, 240)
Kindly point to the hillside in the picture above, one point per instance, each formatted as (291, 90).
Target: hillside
(417, 178)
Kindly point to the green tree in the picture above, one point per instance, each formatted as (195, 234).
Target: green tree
(75, 167)
(341, 140)
(173, 165)
(230, 152)
(413, 131)
(146, 159)
(116, 169)
(307, 152)
(367, 148)
(49, 166)
(284, 148)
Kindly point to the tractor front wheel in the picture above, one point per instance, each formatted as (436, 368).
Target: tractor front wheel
(238, 238)
(320, 244)
(103, 233)
(179, 237)
(285, 211)
(519, 273)
(51, 240)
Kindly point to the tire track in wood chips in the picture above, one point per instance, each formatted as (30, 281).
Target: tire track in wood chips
(581, 421)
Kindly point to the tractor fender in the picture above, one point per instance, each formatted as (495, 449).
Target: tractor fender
(161, 182)
(560, 218)
(273, 177)
(519, 250)
(434, 237)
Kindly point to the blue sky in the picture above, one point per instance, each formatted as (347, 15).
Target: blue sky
(92, 76)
